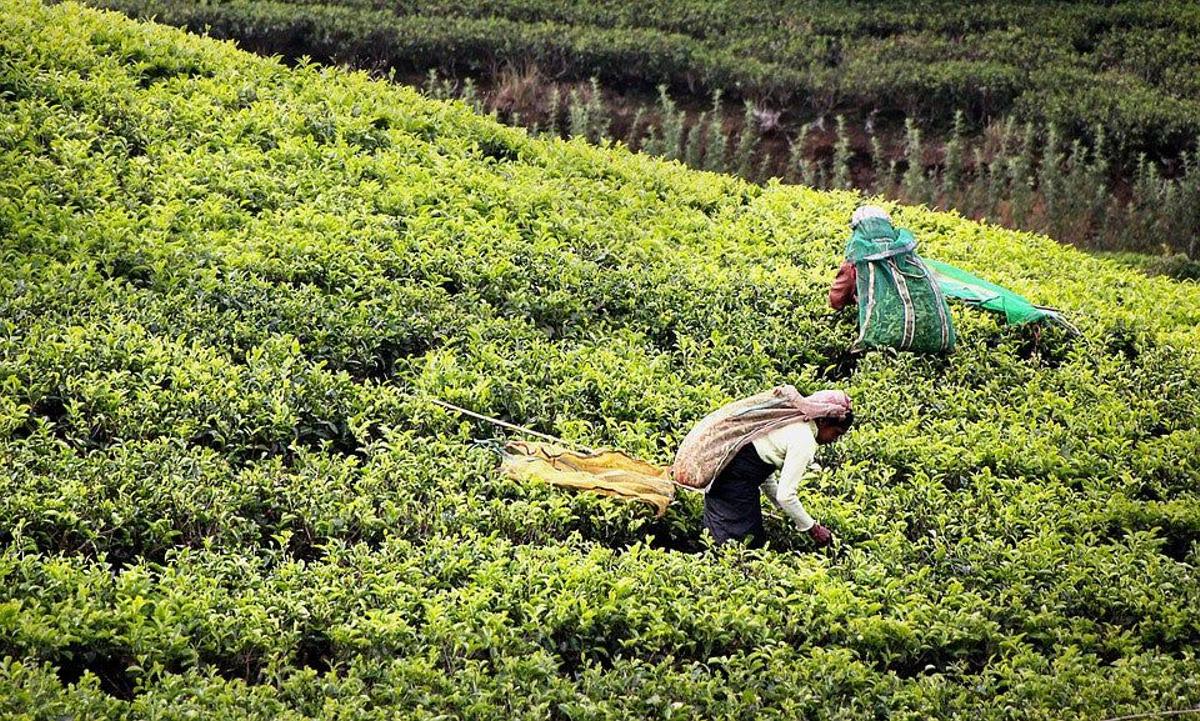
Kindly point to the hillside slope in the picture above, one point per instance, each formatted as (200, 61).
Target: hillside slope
(1128, 67)
(231, 287)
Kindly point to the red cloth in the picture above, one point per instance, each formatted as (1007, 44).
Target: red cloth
(717, 438)
(842, 292)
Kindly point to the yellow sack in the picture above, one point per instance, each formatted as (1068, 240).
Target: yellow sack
(610, 473)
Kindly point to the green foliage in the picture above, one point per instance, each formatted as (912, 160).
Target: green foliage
(747, 142)
(1131, 66)
(232, 286)
(953, 165)
(672, 125)
(693, 155)
(842, 178)
(1177, 266)
(715, 144)
(915, 183)
(898, 60)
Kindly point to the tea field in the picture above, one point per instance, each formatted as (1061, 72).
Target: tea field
(231, 289)
(1078, 120)
(1128, 68)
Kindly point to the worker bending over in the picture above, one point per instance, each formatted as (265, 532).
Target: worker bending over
(737, 449)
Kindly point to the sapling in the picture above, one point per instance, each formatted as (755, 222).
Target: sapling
(715, 143)
(598, 119)
(997, 178)
(1050, 179)
(633, 136)
(979, 198)
(915, 182)
(1099, 193)
(765, 171)
(1020, 177)
(716, 153)
(952, 166)
(470, 95)
(554, 106)
(841, 156)
(653, 143)
(578, 115)
(693, 154)
(799, 166)
(747, 142)
(672, 124)
(1077, 180)
(881, 180)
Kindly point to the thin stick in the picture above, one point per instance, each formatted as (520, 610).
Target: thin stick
(510, 426)
(1154, 714)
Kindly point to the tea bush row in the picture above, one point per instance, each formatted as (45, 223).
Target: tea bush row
(231, 289)
(1129, 66)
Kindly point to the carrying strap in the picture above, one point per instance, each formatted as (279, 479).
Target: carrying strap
(908, 247)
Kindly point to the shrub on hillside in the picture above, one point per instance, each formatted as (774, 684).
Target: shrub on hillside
(232, 287)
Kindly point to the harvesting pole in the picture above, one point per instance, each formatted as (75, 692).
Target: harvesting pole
(510, 426)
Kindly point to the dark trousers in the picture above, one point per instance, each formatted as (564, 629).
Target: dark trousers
(733, 504)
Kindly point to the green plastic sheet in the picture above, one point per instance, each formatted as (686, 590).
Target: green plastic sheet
(958, 283)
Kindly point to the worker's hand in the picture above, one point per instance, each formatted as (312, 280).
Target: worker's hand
(820, 535)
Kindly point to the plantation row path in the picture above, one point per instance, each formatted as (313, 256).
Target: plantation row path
(230, 289)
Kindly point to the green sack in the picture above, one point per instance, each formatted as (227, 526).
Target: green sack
(900, 304)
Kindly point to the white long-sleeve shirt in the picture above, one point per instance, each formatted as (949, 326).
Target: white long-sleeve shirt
(791, 450)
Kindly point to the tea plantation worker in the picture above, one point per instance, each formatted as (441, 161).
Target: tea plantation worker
(734, 451)
(902, 305)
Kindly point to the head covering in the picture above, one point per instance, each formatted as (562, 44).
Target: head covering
(863, 212)
(825, 404)
(717, 438)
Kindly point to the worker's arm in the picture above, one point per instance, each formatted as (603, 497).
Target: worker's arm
(842, 292)
(800, 449)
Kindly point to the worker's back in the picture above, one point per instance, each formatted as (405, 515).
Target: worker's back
(899, 303)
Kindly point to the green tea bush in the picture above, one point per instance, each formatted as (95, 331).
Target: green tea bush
(1123, 110)
(1130, 66)
(232, 288)
(1176, 266)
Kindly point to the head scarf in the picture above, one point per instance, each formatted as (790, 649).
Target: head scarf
(717, 438)
(868, 211)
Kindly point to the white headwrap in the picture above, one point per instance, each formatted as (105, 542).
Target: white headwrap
(868, 211)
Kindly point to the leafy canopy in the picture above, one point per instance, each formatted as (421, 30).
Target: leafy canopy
(230, 288)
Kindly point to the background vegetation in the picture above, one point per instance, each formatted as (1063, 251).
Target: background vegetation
(1131, 67)
(1075, 119)
(231, 287)
(1021, 176)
